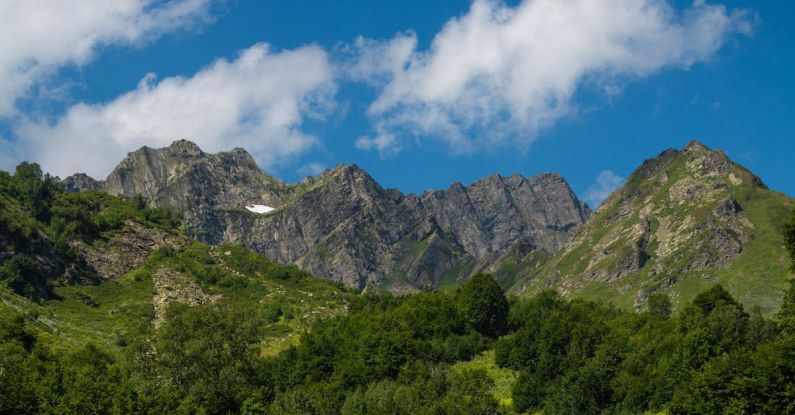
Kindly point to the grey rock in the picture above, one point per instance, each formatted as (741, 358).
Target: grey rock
(344, 225)
(199, 185)
(113, 257)
(81, 182)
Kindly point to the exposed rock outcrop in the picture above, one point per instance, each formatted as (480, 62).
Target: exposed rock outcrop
(127, 250)
(683, 219)
(173, 286)
(347, 227)
(199, 185)
(81, 182)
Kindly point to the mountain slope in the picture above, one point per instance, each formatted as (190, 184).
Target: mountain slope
(683, 221)
(93, 268)
(343, 224)
(197, 184)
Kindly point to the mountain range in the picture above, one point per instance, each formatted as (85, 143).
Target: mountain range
(344, 225)
(683, 220)
(108, 304)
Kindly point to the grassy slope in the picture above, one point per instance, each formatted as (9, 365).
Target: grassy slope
(301, 298)
(107, 313)
(503, 378)
(757, 277)
(69, 322)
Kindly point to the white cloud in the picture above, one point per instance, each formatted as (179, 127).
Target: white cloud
(39, 36)
(257, 101)
(606, 182)
(501, 74)
(384, 141)
(311, 169)
(7, 152)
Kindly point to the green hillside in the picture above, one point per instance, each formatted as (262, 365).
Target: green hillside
(93, 268)
(683, 222)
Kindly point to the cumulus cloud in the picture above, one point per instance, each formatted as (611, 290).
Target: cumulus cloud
(311, 169)
(499, 74)
(606, 182)
(7, 159)
(256, 101)
(39, 36)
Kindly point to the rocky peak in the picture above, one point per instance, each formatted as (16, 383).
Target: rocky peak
(493, 212)
(198, 184)
(350, 179)
(345, 225)
(347, 170)
(695, 146)
(184, 148)
(683, 215)
(81, 182)
(515, 180)
(240, 157)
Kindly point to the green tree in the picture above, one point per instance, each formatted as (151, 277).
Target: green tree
(470, 394)
(36, 190)
(209, 354)
(483, 305)
(386, 397)
(745, 382)
(139, 202)
(659, 305)
(786, 314)
(21, 273)
(12, 329)
(789, 239)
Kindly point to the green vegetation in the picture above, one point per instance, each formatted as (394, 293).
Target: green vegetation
(789, 239)
(220, 330)
(39, 222)
(483, 305)
(418, 355)
(503, 378)
(69, 313)
(388, 355)
(684, 221)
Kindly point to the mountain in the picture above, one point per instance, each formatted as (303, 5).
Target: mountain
(683, 221)
(343, 224)
(199, 185)
(93, 268)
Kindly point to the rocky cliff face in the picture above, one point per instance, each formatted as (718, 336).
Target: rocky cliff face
(684, 220)
(493, 213)
(347, 227)
(81, 182)
(199, 185)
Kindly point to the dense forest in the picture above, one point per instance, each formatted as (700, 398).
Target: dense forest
(409, 354)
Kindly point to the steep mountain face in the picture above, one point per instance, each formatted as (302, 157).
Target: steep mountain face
(197, 184)
(81, 182)
(683, 221)
(493, 213)
(347, 227)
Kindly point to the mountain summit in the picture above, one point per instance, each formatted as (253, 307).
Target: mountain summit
(343, 224)
(684, 220)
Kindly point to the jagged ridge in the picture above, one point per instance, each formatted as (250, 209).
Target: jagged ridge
(343, 224)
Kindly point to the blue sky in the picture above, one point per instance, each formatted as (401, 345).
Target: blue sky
(588, 89)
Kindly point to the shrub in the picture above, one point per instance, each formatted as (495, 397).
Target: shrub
(483, 305)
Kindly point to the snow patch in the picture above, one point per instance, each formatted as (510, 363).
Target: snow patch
(259, 208)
